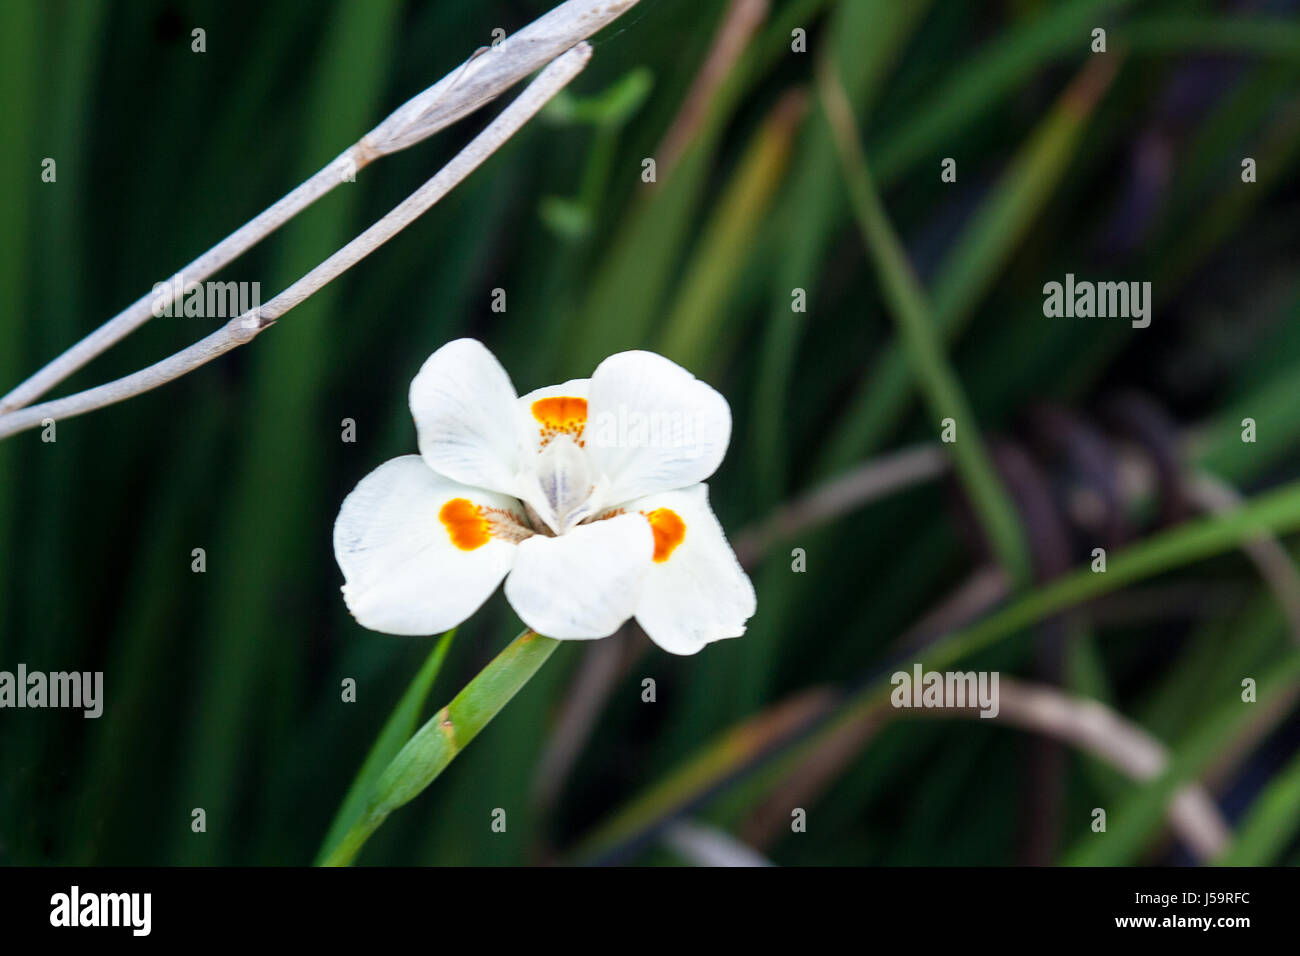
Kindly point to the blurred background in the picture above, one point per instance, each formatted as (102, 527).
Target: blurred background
(222, 689)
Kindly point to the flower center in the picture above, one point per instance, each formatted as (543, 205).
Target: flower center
(669, 531)
(560, 415)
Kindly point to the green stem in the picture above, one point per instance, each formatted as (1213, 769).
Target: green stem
(443, 736)
(396, 732)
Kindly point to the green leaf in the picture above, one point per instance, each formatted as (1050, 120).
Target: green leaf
(274, 505)
(396, 732)
(1136, 820)
(694, 324)
(612, 107)
(18, 82)
(914, 317)
(443, 736)
(868, 40)
(976, 259)
(987, 77)
(1271, 823)
(726, 758)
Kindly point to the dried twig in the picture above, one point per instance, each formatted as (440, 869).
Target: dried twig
(244, 328)
(482, 78)
(974, 597)
(739, 24)
(1088, 725)
(1094, 728)
(871, 480)
(705, 845)
(1265, 551)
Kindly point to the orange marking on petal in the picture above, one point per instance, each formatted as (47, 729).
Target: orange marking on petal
(465, 524)
(560, 415)
(669, 531)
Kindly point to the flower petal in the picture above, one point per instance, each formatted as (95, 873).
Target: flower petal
(585, 583)
(416, 550)
(465, 415)
(696, 591)
(653, 426)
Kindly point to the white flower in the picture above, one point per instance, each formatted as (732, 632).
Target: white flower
(587, 495)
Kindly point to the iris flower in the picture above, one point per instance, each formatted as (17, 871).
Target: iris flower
(586, 497)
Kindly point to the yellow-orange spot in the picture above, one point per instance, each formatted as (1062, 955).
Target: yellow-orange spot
(560, 415)
(669, 531)
(465, 524)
